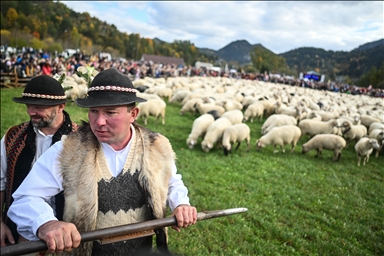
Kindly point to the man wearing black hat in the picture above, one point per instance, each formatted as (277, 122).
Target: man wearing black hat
(120, 173)
(23, 144)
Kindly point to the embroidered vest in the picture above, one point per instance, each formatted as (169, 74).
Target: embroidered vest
(87, 181)
(20, 144)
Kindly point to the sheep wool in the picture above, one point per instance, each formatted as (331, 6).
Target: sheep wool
(319, 142)
(236, 134)
(280, 136)
(364, 148)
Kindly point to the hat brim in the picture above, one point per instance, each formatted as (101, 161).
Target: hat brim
(111, 98)
(35, 101)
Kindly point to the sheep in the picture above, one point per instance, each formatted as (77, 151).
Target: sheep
(229, 104)
(377, 134)
(253, 111)
(203, 108)
(153, 107)
(280, 121)
(364, 148)
(282, 135)
(311, 127)
(375, 125)
(214, 113)
(326, 116)
(352, 132)
(290, 111)
(162, 92)
(147, 96)
(367, 120)
(328, 142)
(199, 128)
(235, 116)
(189, 106)
(270, 120)
(179, 95)
(235, 134)
(215, 133)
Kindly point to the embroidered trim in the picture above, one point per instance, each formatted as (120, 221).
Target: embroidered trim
(112, 88)
(44, 96)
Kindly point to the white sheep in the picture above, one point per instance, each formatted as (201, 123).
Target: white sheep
(312, 127)
(203, 108)
(235, 134)
(189, 106)
(375, 125)
(215, 133)
(377, 134)
(290, 111)
(367, 120)
(364, 148)
(179, 95)
(162, 92)
(235, 116)
(280, 136)
(280, 121)
(199, 128)
(153, 107)
(269, 120)
(326, 116)
(352, 132)
(253, 111)
(319, 142)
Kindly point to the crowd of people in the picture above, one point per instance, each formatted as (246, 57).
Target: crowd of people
(30, 63)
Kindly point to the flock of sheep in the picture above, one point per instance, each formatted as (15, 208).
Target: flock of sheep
(224, 106)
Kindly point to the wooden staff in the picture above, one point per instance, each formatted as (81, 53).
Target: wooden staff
(118, 233)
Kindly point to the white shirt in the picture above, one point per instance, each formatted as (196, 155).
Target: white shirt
(43, 142)
(30, 209)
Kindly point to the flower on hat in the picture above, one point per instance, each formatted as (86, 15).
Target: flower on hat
(88, 73)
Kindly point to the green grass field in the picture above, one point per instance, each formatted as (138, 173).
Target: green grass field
(297, 204)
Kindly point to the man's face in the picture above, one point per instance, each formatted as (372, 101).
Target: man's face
(42, 116)
(111, 124)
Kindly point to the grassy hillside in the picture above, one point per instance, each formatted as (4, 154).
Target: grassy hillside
(297, 204)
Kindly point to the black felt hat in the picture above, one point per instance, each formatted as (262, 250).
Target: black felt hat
(109, 88)
(42, 90)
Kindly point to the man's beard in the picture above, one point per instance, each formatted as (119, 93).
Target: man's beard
(44, 122)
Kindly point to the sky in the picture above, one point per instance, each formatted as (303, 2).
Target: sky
(280, 26)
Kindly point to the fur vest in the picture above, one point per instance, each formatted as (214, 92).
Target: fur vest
(20, 143)
(151, 155)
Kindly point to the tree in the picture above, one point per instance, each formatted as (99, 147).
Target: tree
(11, 17)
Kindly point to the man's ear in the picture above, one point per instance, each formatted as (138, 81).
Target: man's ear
(135, 112)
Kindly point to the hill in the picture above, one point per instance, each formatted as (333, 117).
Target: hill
(331, 63)
(52, 26)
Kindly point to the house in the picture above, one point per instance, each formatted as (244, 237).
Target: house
(162, 59)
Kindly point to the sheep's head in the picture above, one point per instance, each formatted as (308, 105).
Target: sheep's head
(206, 146)
(374, 143)
(191, 143)
(259, 145)
(227, 149)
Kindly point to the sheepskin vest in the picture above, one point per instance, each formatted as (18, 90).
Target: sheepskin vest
(95, 199)
(20, 146)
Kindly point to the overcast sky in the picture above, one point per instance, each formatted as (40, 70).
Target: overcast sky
(278, 26)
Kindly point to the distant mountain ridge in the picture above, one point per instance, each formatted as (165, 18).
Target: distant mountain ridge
(332, 63)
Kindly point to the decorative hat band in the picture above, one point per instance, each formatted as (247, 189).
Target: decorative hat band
(111, 88)
(44, 96)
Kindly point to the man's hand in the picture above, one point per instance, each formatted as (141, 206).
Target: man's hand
(186, 215)
(6, 234)
(59, 236)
